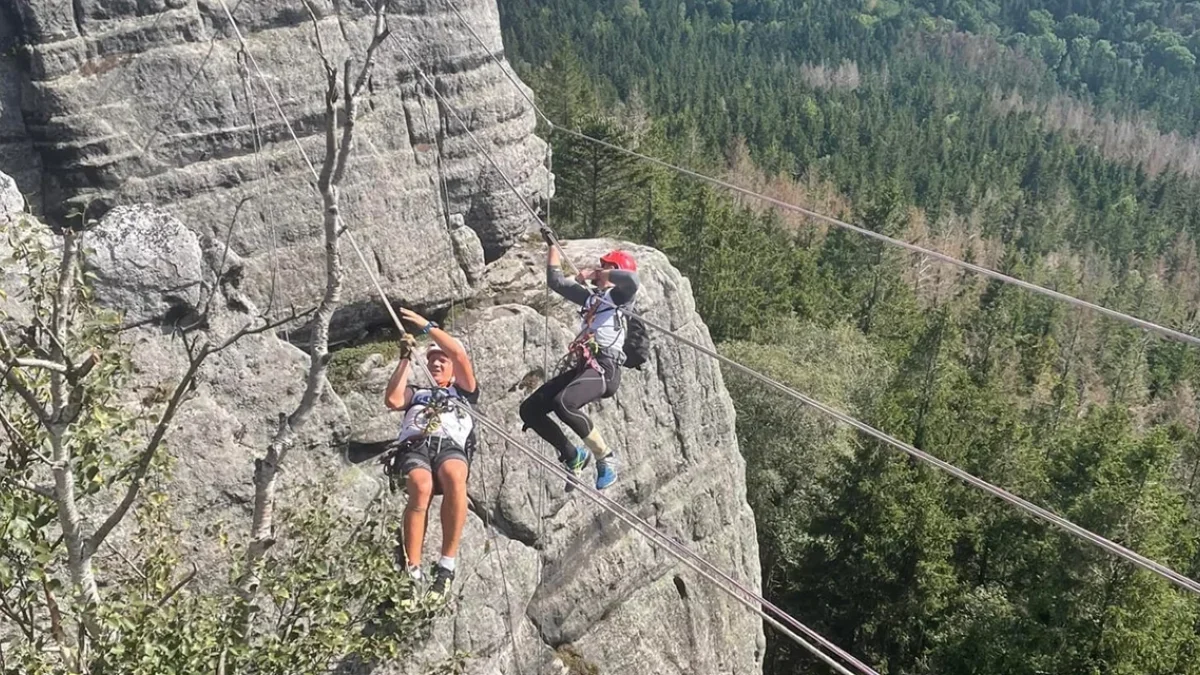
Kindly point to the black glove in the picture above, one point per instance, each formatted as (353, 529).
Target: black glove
(547, 235)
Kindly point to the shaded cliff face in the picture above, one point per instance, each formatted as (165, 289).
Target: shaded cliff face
(117, 101)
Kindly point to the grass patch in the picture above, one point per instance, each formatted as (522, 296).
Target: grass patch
(575, 663)
(343, 364)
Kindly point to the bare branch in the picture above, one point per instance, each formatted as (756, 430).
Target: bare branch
(331, 138)
(146, 457)
(31, 401)
(179, 586)
(312, 14)
(132, 565)
(148, 453)
(40, 363)
(84, 367)
(17, 439)
(219, 272)
(248, 330)
(39, 490)
(380, 33)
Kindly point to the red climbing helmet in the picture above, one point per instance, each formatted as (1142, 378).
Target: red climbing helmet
(619, 259)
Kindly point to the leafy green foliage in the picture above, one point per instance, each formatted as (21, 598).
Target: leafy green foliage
(329, 590)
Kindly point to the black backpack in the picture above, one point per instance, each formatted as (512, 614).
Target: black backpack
(637, 342)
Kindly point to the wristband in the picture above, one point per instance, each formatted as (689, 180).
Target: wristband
(427, 327)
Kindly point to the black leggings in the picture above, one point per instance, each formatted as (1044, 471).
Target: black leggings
(565, 394)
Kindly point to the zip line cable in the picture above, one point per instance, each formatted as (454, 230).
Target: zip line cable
(668, 544)
(950, 260)
(762, 601)
(1025, 505)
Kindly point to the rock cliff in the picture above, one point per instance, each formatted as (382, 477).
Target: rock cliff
(113, 102)
(125, 103)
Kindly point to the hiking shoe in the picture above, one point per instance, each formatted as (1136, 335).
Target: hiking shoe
(439, 590)
(606, 471)
(577, 465)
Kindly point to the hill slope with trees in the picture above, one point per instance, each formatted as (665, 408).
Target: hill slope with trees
(944, 124)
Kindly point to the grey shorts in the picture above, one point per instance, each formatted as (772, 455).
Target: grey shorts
(429, 454)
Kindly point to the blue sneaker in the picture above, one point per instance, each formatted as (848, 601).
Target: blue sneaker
(606, 471)
(577, 465)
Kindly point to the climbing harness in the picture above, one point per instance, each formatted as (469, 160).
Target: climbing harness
(439, 402)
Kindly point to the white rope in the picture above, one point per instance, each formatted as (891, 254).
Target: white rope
(1030, 508)
(950, 260)
(312, 169)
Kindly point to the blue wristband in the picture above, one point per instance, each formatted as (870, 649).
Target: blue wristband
(427, 327)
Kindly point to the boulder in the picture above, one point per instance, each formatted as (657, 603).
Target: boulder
(147, 265)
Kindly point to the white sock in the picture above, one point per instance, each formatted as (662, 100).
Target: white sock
(447, 563)
(414, 571)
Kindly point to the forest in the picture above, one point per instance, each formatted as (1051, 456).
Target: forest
(944, 124)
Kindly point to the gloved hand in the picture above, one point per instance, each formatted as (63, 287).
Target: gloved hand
(408, 344)
(547, 235)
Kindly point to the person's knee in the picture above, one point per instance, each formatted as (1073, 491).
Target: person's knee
(562, 406)
(420, 489)
(452, 476)
(530, 410)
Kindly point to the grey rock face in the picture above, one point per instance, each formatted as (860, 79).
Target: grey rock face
(153, 102)
(17, 156)
(12, 204)
(594, 584)
(540, 572)
(147, 264)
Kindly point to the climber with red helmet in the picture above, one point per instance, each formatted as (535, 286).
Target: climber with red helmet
(594, 358)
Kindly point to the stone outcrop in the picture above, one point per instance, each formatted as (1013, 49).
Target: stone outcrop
(146, 263)
(580, 579)
(153, 101)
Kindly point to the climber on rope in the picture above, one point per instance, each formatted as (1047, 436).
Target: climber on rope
(594, 359)
(435, 446)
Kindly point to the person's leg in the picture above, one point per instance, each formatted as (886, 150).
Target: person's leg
(606, 461)
(588, 385)
(450, 470)
(535, 414)
(452, 477)
(419, 485)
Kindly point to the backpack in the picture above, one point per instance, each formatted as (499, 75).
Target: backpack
(637, 343)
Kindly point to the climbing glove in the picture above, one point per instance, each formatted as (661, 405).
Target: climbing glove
(547, 235)
(408, 344)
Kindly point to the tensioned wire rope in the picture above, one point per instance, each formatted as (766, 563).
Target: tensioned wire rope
(672, 547)
(1000, 493)
(676, 547)
(913, 248)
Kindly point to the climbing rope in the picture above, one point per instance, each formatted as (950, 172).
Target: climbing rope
(544, 486)
(754, 602)
(942, 257)
(1030, 508)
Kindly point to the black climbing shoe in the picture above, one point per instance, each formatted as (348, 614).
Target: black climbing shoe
(439, 590)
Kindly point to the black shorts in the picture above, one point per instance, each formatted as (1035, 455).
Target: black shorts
(429, 454)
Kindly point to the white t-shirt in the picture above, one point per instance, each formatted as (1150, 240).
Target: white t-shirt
(453, 423)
